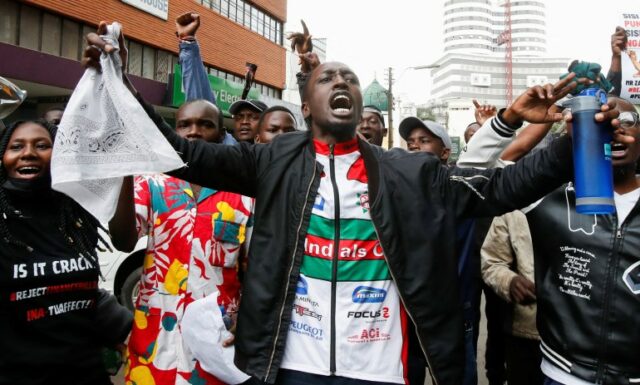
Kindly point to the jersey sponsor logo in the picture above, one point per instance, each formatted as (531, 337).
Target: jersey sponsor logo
(303, 287)
(367, 294)
(363, 201)
(384, 313)
(307, 330)
(348, 249)
(369, 335)
(305, 311)
(307, 300)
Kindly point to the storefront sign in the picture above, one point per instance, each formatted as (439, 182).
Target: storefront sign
(158, 8)
(226, 92)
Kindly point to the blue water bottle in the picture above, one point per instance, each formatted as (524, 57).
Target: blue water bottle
(591, 154)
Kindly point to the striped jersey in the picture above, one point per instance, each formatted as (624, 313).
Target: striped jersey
(347, 318)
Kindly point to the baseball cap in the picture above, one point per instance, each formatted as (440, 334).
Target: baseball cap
(375, 110)
(253, 104)
(408, 124)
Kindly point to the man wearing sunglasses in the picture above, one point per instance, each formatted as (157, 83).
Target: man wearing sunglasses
(587, 270)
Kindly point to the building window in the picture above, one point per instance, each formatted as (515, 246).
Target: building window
(71, 40)
(51, 34)
(8, 22)
(30, 28)
(224, 8)
(233, 10)
(148, 62)
(247, 15)
(135, 58)
(162, 66)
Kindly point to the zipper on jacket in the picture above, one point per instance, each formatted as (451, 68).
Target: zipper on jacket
(334, 261)
(293, 262)
(404, 304)
(611, 268)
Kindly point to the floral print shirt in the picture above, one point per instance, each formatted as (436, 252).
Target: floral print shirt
(193, 250)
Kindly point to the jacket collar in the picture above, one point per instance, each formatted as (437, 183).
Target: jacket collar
(342, 148)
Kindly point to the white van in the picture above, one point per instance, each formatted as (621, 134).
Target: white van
(122, 272)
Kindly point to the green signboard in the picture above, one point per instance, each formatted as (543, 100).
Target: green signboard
(226, 92)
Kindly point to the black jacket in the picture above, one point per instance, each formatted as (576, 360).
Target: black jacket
(416, 203)
(588, 289)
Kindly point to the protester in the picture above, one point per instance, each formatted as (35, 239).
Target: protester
(194, 75)
(471, 130)
(426, 136)
(53, 115)
(507, 267)
(482, 113)
(371, 125)
(246, 115)
(573, 355)
(55, 321)
(274, 121)
(196, 238)
(618, 45)
(582, 326)
(599, 347)
(293, 326)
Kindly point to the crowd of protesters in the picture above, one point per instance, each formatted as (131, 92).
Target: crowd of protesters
(334, 261)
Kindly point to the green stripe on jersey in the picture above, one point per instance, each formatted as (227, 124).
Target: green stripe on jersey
(351, 271)
(360, 229)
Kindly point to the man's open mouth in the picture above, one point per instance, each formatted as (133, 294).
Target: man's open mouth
(618, 150)
(341, 103)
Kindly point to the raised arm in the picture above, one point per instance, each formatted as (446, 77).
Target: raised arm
(194, 76)
(494, 192)
(485, 147)
(618, 44)
(525, 141)
(302, 44)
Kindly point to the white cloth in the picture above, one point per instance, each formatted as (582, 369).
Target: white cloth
(203, 332)
(105, 135)
(625, 203)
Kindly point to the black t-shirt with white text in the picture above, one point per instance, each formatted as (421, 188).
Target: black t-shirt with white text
(47, 302)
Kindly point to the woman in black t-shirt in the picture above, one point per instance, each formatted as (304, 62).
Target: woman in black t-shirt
(54, 321)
